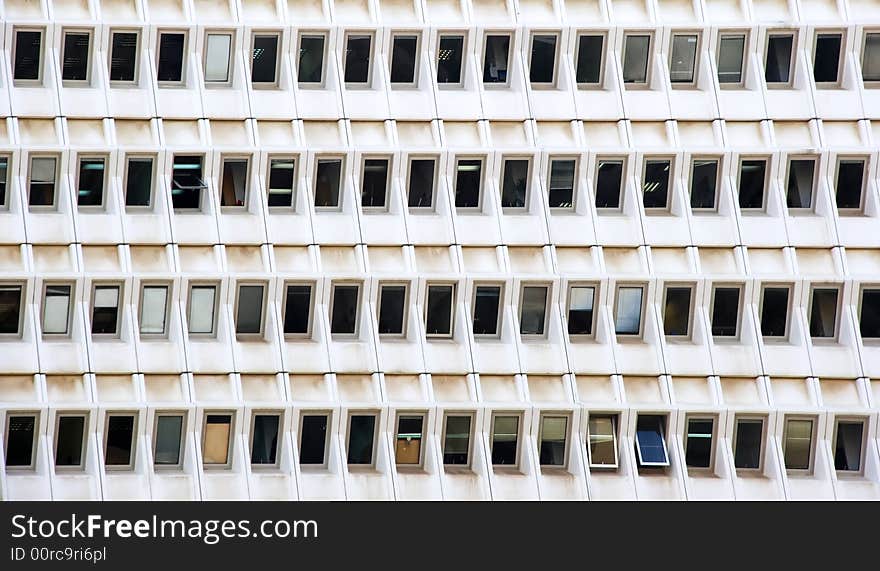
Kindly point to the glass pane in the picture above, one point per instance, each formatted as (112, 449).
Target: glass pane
(468, 177)
(869, 319)
(515, 183)
(635, 59)
(90, 191)
(168, 439)
(850, 181)
(201, 309)
(580, 310)
(486, 309)
(655, 187)
(281, 174)
(628, 316)
(421, 183)
(120, 440)
(408, 443)
(233, 186)
(449, 59)
(139, 182)
(774, 312)
(265, 59)
(871, 58)
(4, 179)
(676, 313)
(313, 438)
(800, 183)
(10, 309)
(848, 446)
(778, 68)
(823, 313)
(798, 444)
(747, 450)
(375, 183)
(603, 450)
(311, 59)
(392, 308)
(495, 61)
(123, 56)
(704, 178)
(751, 183)
(357, 59)
(75, 63)
(553, 435)
(28, 52)
(154, 309)
(403, 59)
(684, 55)
(215, 449)
(105, 312)
(609, 175)
(561, 193)
(56, 309)
(438, 320)
(827, 61)
(534, 310)
(725, 311)
(327, 180)
(42, 181)
(217, 50)
(171, 50)
(699, 442)
(651, 447)
(360, 439)
(456, 443)
(249, 318)
(297, 309)
(20, 440)
(345, 306)
(589, 59)
(730, 59)
(542, 65)
(69, 441)
(264, 447)
(505, 435)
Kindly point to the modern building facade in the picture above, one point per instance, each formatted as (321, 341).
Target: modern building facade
(439, 249)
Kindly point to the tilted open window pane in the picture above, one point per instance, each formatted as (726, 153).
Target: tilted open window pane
(747, 447)
(169, 437)
(515, 183)
(120, 440)
(655, 187)
(233, 185)
(69, 440)
(533, 313)
(56, 310)
(392, 309)
(408, 442)
(201, 309)
(823, 312)
(421, 183)
(677, 311)
(589, 59)
(542, 65)
(357, 58)
(850, 182)
(105, 314)
(848, 445)
(580, 310)
(635, 58)
(311, 59)
(628, 312)
(602, 441)
(725, 311)
(403, 59)
(495, 61)
(778, 65)
(650, 441)
(704, 180)
(375, 183)
(561, 191)
(264, 444)
(327, 181)
(730, 58)
(554, 431)
(752, 175)
(313, 438)
(265, 63)
(281, 177)
(468, 179)
(20, 433)
(28, 53)
(774, 312)
(187, 182)
(361, 433)
(218, 48)
(698, 453)
(800, 183)
(869, 318)
(449, 58)
(217, 439)
(487, 302)
(10, 309)
(249, 317)
(139, 182)
(438, 316)
(75, 62)
(343, 319)
(684, 58)
(297, 309)
(798, 444)
(154, 303)
(456, 440)
(609, 177)
(123, 56)
(505, 439)
(826, 62)
(90, 190)
(171, 52)
(42, 181)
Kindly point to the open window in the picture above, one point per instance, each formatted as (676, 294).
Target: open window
(553, 440)
(139, 182)
(76, 55)
(187, 182)
(683, 61)
(234, 182)
(677, 311)
(700, 442)
(515, 183)
(468, 183)
(420, 189)
(487, 310)
(42, 177)
(70, 441)
(609, 183)
(602, 441)
(408, 439)
(392, 309)
(124, 56)
(748, 439)
(457, 439)
(636, 58)
(344, 309)
(172, 52)
(120, 437)
(775, 302)
(752, 181)
(542, 62)
(655, 183)
(849, 442)
(282, 175)
(313, 439)
(505, 440)
(27, 57)
(358, 58)
(202, 309)
(56, 309)
(731, 58)
(154, 309)
(90, 181)
(218, 57)
(801, 183)
(168, 440)
(496, 59)
(217, 439)
(298, 309)
(533, 310)
(265, 439)
(21, 441)
(561, 185)
(11, 314)
(850, 184)
(310, 66)
(797, 443)
(361, 439)
(779, 58)
(628, 310)
(264, 66)
(450, 54)
(404, 58)
(328, 183)
(105, 309)
(589, 65)
(869, 313)
(824, 307)
(826, 57)
(704, 183)
(581, 299)
(249, 309)
(651, 441)
(374, 183)
(439, 310)
(725, 311)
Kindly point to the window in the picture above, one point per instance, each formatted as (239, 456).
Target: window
(249, 313)
(328, 178)
(683, 58)
(421, 183)
(725, 311)
(468, 180)
(439, 310)
(105, 310)
(56, 309)
(374, 183)
(4, 179)
(154, 309)
(542, 64)
(752, 177)
(704, 183)
(310, 68)
(457, 440)
(826, 60)
(264, 439)
(21, 430)
(823, 312)
(650, 443)
(138, 182)
(119, 441)
(850, 183)
(358, 49)
(797, 445)
(404, 55)
(871, 57)
(282, 173)
(628, 311)
(533, 310)
(655, 185)
(10, 309)
(233, 185)
(408, 441)
(28, 55)
(172, 47)
(580, 310)
(449, 59)
(553, 440)
(123, 56)
(217, 440)
(731, 50)
(202, 306)
(747, 447)
(187, 182)
(218, 51)
(344, 309)
(609, 180)
(515, 183)
(392, 309)
(496, 59)
(264, 67)
(90, 182)
(699, 442)
(636, 53)
(41, 185)
(361, 434)
(313, 439)
(168, 443)
(70, 442)
(75, 59)
(505, 440)
(869, 318)
(800, 183)
(298, 309)
(778, 64)
(774, 311)
(677, 312)
(602, 440)
(848, 441)
(561, 185)
(487, 309)
(589, 66)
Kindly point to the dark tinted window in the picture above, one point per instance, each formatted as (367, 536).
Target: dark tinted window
(297, 309)
(264, 448)
(725, 311)
(375, 183)
(533, 312)
(265, 59)
(800, 183)
(20, 440)
(823, 312)
(774, 312)
(90, 190)
(10, 309)
(281, 173)
(360, 439)
(850, 179)
(635, 58)
(169, 430)
(747, 449)
(123, 56)
(75, 62)
(456, 440)
(676, 313)
(751, 183)
(139, 182)
(515, 183)
(869, 320)
(311, 59)
(699, 442)
(171, 57)
(438, 318)
(704, 178)
(120, 440)
(730, 58)
(327, 180)
(449, 59)
(313, 439)
(848, 446)
(609, 175)
(357, 59)
(487, 301)
(345, 306)
(69, 441)
(589, 59)
(542, 65)
(580, 310)
(249, 316)
(392, 308)
(655, 187)
(421, 183)
(403, 59)
(187, 182)
(495, 61)
(561, 188)
(4, 178)
(28, 51)
(468, 177)
(778, 66)
(105, 313)
(505, 437)
(827, 58)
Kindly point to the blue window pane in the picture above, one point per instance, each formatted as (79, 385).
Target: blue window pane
(649, 437)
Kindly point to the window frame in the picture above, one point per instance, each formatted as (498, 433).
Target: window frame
(714, 441)
(768, 165)
(520, 430)
(278, 444)
(235, 157)
(71, 300)
(557, 48)
(357, 313)
(551, 158)
(465, 47)
(692, 84)
(850, 419)
(217, 290)
(406, 301)
(632, 337)
(340, 192)
(169, 295)
(781, 32)
(687, 337)
(788, 311)
(375, 444)
(153, 160)
(670, 183)
(482, 184)
(837, 312)
(371, 63)
(567, 448)
(872, 286)
(816, 160)
(420, 157)
(428, 286)
(295, 158)
(77, 30)
(183, 67)
(649, 75)
(120, 301)
(719, 178)
(230, 444)
(813, 440)
(739, 311)
(56, 182)
(621, 190)
(867, 31)
(309, 319)
(38, 82)
(524, 209)
(664, 436)
(603, 54)
(614, 417)
(389, 175)
(132, 463)
(458, 468)
(22, 307)
(511, 37)
(841, 55)
(202, 190)
(263, 309)
(81, 467)
(279, 36)
(499, 319)
(579, 337)
(86, 156)
(866, 167)
(762, 445)
(7, 182)
(420, 465)
(230, 70)
(35, 414)
(406, 33)
(137, 49)
(312, 33)
(745, 33)
(548, 302)
(181, 446)
(326, 413)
